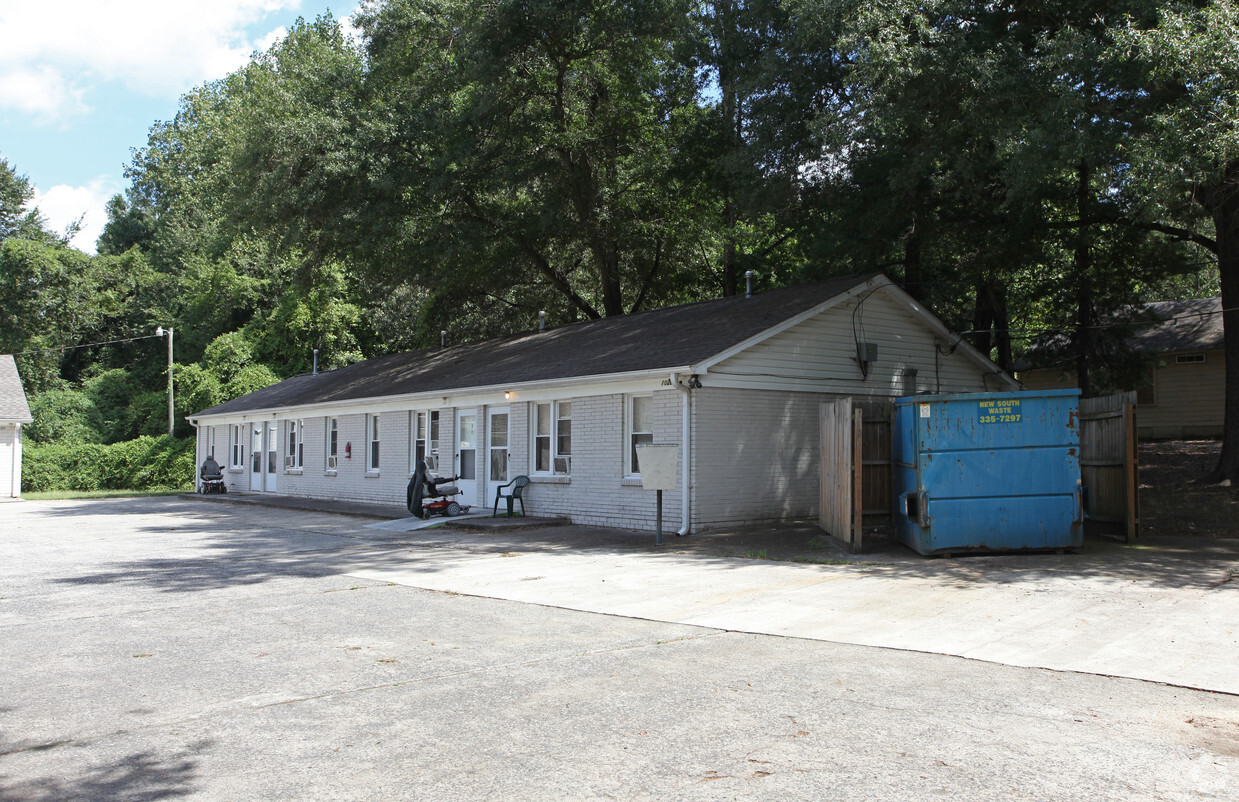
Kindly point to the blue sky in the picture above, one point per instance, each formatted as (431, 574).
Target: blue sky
(82, 81)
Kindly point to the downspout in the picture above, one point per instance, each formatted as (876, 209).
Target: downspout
(15, 482)
(686, 452)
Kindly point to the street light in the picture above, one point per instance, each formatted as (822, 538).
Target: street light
(159, 332)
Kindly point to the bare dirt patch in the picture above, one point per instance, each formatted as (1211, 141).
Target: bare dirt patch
(1173, 500)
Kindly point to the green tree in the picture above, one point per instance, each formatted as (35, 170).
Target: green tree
(497, 159)
(17, 217)
(1186, 70)
(975, 154)
(129, 225)
(762, 72)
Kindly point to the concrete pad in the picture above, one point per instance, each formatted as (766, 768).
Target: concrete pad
(1058, 612)
(158, 648)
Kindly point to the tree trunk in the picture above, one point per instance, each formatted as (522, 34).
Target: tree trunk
(1083, 338)
(1222, 203)
(913, 278)
(731, 128)
(982, 319)
(731, 267)
(991, 322)
(1002, 331)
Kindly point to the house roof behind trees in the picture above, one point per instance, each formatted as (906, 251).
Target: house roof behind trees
(1155, 328)
(1194, 325)
(670, 338)
(13, 406)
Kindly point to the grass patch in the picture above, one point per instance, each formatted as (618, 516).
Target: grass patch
(58, 495)
(816, 561)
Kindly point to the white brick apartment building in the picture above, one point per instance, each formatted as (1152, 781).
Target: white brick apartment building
(736, 383)
(14, 413)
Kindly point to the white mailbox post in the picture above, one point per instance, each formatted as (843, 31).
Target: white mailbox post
(658, 462)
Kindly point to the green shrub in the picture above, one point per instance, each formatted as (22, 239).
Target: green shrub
(147, 463)
(247, 380)
(62, 416)
(113, 392)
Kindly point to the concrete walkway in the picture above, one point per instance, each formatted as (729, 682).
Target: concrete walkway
(1164, 611)
(1160, 609)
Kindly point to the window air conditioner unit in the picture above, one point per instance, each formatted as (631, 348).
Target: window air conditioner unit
(288, 462)
(331, 463)
(563, 465)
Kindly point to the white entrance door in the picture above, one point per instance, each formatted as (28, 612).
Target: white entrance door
(497, 438)
(273, 455)
(467, 456)
(256, 460)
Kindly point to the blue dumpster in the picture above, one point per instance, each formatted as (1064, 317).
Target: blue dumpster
(988, 471)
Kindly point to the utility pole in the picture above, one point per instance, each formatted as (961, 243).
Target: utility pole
(160, 331)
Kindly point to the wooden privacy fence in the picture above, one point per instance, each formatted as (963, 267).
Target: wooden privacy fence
(1108, 461)
(877, 469)
(840, 504)
(857, 478)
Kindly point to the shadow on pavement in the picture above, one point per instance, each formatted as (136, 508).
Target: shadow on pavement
(249, 543)
(139, 776)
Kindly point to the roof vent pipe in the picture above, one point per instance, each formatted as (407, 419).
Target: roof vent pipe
(315, 361)
(748, 283)
(542, 321)
(443, 338)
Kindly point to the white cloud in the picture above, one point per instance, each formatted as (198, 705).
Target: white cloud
(62, 205)
(54, 50)
(271, 38)
(42, 93)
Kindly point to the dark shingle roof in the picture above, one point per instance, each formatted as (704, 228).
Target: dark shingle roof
(677, 336)
(13, 406)
(1194, 325)
(1157, 328)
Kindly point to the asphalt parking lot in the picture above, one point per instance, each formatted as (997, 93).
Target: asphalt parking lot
(160, 648)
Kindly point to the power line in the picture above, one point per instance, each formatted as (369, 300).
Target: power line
(64, 348)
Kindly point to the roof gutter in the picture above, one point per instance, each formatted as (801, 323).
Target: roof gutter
(415, 399)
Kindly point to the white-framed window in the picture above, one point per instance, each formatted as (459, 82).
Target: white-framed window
(1189, 359)
(332, 444)
(497, 431)
(434, 434)
(209, 441)
(638, 429)
(236, 450)
(419, 435)
(256, 450)
(423, 436)
(294, 445)
(372, 443)
(552, 437)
